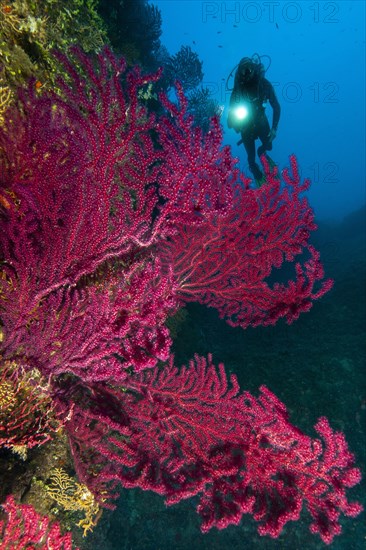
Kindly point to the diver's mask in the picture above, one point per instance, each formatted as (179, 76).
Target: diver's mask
(246, 74)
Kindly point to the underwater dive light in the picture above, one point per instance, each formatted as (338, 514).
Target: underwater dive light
(242, 112)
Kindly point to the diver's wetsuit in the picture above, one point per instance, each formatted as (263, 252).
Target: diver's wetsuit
(256, 93)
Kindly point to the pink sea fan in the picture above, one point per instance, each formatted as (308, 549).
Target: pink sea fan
(25, 528)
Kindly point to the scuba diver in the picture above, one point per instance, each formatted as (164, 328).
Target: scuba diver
(247, 111)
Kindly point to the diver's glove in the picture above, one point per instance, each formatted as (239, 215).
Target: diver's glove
(272, 134)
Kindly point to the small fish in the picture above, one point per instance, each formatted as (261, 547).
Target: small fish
(277, 26)
(236, 26)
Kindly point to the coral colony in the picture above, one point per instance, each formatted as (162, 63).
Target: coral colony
(26, 528)
(114, 217)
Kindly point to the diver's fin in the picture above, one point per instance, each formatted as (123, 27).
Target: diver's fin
(260, 181)
(272, 165)
(270, 161)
